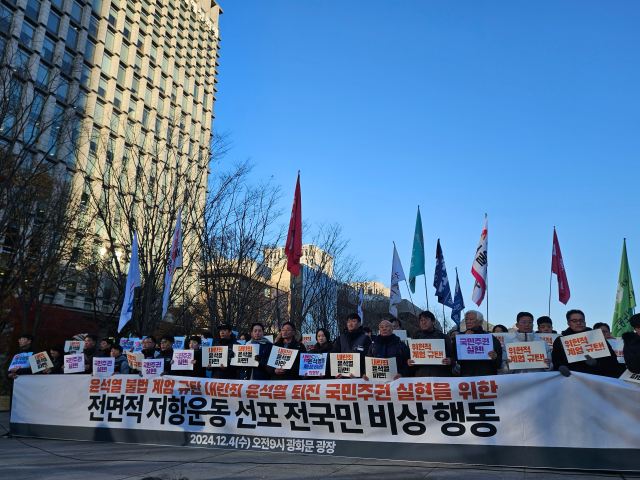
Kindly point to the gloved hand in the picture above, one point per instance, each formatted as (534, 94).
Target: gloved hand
(564, 370)
(258, 358)
(592, 362)
(231, 354)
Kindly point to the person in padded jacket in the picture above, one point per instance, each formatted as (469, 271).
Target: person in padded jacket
(477, 368)
(388, 345)
(260, 372)
(632, 345)
(227, 339)
(323, 345)
(289, 338)
(428, 331)
(353, 340)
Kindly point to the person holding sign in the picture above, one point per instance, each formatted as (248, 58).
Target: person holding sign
(632, 345)
(25, 345)
(476, 368)
(428, 331)
(148, 351)
(353, 340)
(388, 345)
(198, 370)
(323, 345)
(56, 353)
(605, 366)
(105, 348)
(524, 323)
(260, 372)
(120, 360)
(227, 339)
(289, 338)
(90, 351)
(166, 352)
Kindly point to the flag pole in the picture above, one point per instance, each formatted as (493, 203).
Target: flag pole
(426, 294)
(551, 275)
(408, 289)
(487, 283)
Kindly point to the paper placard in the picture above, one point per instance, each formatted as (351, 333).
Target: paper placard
(269, 337)
(427, 351)
(245, 355)
(627, 376)
(524, 355)
(618, 346)
(178, 343)
(72, 346)
(401, 334)
(206, 342)
(502, 336)
(135, 360)
(345, 364)
(215, 356)
(549, 338)
(74, 363)
(309, 346)
(313, 364)
(103, 366)
(128, 343)
(282, 357)
(40, 361)
(591, 343)
(182, 360)
(474, 347)
(307, 337)
(137, 346)
(21, 360)
(380, 368)
(152, 367)
(241, 342)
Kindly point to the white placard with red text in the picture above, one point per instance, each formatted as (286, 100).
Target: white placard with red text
(244, 355)
(591, 343)
(135, 360)
(73, 346)
(427, 351)
(74, 363)
(618, 346)
(502, 336)
(380, 368)
(40, 361)
(525, 355)
(345, 364)
(103, 366)
(182, 360)
(474, 347)
(549, 338)
(282, 357)
(307, 337)
(215, 356)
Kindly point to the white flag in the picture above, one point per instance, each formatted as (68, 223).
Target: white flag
(397, 275)
(175, 261)
(361, 305)
(479, 268)
(133, 281)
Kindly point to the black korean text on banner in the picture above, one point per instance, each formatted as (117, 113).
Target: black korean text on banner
(282, 357)
(245, 355)
(474, 347)
(103, 366)
(345, 364)
(215, 356)
(525, 355)
(380, 368)
(40, 361)
(591, 343)
(428, 351)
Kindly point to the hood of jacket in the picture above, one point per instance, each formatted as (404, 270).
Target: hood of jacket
(262, 341)
(388, 340)
(327, 347)
(296, 336)
(121, 358)
(630, 338)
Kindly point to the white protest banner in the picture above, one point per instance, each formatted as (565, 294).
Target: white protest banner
(309, 346)
(135, 360)
(182, 360)
(591, 343)
(21, 360)
(502, 336)
(345, 364)
(380, 368)
(502, 415)
(313, 364)
(401, 334)
(627, 376)
(215, 356)
(427, 351)
(618, 346)
(206, 342)
(72, 346)
(40, 361)
(137, 346)
(282, 357)
(103, 366)
(178, 343)
(307, 337)
(269, 337)
(245, 355)
(474, 347)
(524, 355)
(74, 363)
(152, 367)
(549, 338)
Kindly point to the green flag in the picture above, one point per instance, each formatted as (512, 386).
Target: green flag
(625, 300)
(417, 255)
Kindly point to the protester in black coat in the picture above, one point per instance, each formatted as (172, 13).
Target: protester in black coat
(25, 345)
(428, 331)
(353, 340)
(388, 345)
(56, 353)
(227, 339)
(105, 348)
(323, 345)
(260, 372)
(166, 352)
(90, 350)
(199, 370)
(477, 368)
(288, 338)
(632, 345)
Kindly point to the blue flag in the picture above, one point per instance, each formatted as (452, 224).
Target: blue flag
(458, 303)
(441, 281)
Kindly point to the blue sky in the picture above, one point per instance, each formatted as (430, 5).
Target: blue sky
(528, 111)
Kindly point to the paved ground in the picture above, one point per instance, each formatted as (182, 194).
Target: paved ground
(33, 459)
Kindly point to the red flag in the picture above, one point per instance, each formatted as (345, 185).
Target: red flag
(557, 267)
(293, 249)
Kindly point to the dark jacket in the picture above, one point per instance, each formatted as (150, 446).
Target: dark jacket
(390, 347)
(479, 368)
(606, 366)
(326, 348)
(104, 353)
(260, 372)
(25, 370)
(57, 366)
(167, 356)
(150, 353)
(433, 370)
(632, 351)
(120, 365)
(294, 372)
(231, 372)
(89, 353)
(198, 370)
(353, 342)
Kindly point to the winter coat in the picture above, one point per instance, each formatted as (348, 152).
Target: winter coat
(292, 373)
(198, 370)
(57, 366)
(231, 372)
(353, 342)
(479, 368)
(104, 353)
(525, 337)
(606, 366)
(121, 365)
(433, 370)
(632, 351)
(25, 370)
(390, 346)
(89, 353)
(260, 372)
(167, 356)
(150, 353)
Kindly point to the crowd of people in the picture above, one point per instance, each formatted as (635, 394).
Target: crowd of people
(360, 340)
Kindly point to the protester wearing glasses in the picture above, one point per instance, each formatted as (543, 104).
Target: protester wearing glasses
(524, 324)
(604, 366)
(227, 339)
(476, 368)
(353, 340)
(288, 338)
